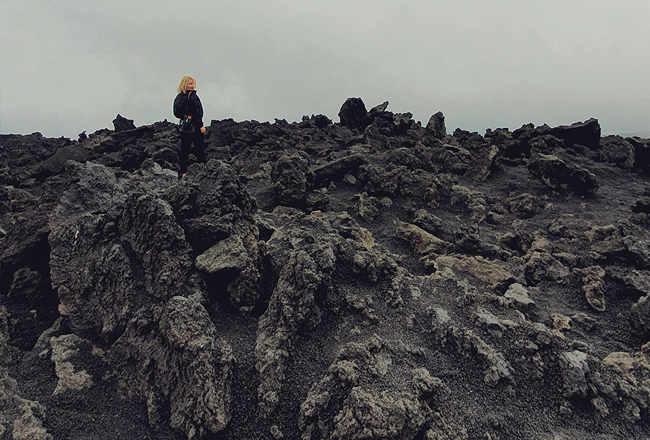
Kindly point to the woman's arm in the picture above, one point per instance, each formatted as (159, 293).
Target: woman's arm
(197, 110)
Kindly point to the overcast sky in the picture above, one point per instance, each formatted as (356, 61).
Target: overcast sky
(68, 66)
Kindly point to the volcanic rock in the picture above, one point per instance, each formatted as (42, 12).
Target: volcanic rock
(367, 278)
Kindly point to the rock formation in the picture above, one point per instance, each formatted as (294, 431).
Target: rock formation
(365, 279)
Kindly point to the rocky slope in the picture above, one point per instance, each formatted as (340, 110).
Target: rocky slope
(367, 279)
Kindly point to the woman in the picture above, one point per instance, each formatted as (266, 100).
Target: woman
(187, 103)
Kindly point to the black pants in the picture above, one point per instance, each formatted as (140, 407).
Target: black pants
(187, 139)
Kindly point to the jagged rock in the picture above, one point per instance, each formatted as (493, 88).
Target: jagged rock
(642, 205)
(129, 148)
(370, 207)
(636, 281)
(303, 254)
(557, 175)
(117, 260)
(498, 136)
(379, 108)
(393, 180)
(228, 254)
(22, 157)
(43, 347)
(517, 295)
(55, 164)
(472, 140)
(637, 243)
(426, 245)
(560, 322)
(201, 400)
(486, 160)
(607, 242)
(436, 126)
(336, 170)
(641, 153)
(27, 416)
(364, 408)
(120, 123)
(408, 158)
(179, 362)
(594, 286)
(228, 260)
(542, 266)
(64, 349)
(384, 126)
(490, 272)
(624, 384)
(446, 333)
(617, 151)
(212, 205)
(453, 159)
(584, 321)
(321, 121)
(569, 227)
(32, 305)
(493, 324)
(545, 144)
(574, 368)
(513, 150)
(290, 185)
(473, 200)
(353, 114)
(105, 265)
(640, 315)
(404, 122)
(585, 133)
(96, 189)
(427, 221)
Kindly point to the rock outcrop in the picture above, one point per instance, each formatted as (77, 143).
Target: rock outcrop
(368, 278)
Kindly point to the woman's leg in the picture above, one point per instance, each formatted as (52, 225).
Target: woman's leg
(199, 147)
(186, 144)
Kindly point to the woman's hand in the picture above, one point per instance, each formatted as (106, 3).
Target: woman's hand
(203, 130)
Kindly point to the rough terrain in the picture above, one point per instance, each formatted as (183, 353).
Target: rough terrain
(371, 278)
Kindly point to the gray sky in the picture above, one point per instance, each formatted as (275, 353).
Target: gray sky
(72, 65)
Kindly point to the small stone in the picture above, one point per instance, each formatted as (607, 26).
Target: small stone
(565, 411)
(574, 368)
(518, 297)
(560, 322)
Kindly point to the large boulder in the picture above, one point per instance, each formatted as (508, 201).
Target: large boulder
(302, 253)
(562, 177)
(641, 153)
(106, 264)
(585, 133)
(353, 114)
(212, 205)
(179, 366)
(436, 126)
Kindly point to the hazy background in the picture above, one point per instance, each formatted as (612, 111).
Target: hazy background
(68, 66)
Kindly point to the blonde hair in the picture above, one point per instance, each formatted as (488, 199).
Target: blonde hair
(182, 87)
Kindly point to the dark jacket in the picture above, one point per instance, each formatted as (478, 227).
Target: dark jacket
(191, 107)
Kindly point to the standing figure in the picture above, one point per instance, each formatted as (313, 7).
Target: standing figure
(187, 103)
